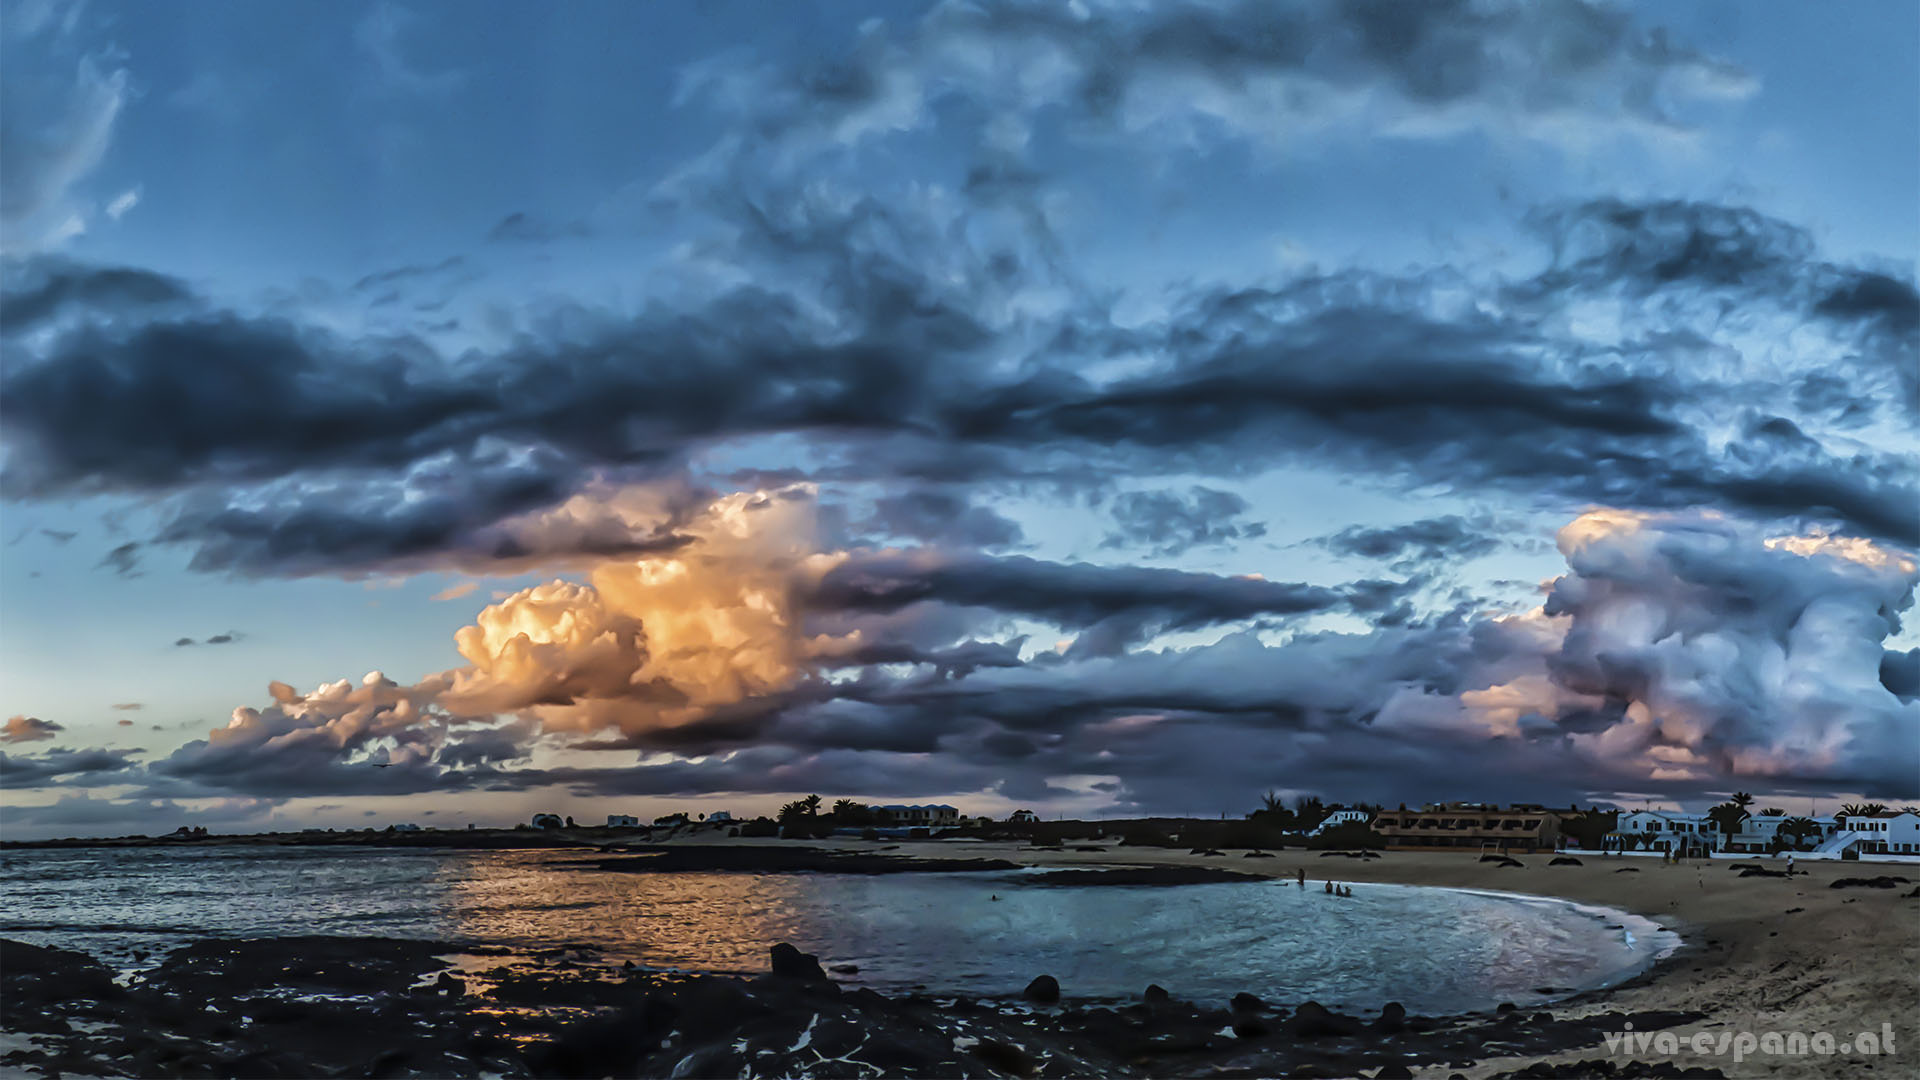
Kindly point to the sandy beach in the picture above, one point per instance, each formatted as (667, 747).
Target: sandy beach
(1760, 953)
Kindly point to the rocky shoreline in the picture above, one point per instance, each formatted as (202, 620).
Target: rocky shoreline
(374, 1007)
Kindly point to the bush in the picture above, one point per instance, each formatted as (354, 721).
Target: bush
(760, 827)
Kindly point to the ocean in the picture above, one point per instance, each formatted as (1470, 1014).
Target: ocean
(977, 933)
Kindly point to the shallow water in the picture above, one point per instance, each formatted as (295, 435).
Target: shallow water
(1434, 950)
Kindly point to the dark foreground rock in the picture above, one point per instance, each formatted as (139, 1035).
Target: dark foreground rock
(1885, 881)
(368, 1007)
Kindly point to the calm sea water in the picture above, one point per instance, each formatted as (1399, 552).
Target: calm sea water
(1434, 950)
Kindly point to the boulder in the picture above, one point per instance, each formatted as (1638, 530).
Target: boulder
(791, 963)
(1006, 1057)
(1044, 989)
(1313, 1020)
(1393, 1017)
(1244, 1003)
(1156, 993)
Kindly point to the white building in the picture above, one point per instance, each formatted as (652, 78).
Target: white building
(1698, 834)
(1890, 833)
(916, 814)
(622, 821)
(1339, 817)
(1666, 830)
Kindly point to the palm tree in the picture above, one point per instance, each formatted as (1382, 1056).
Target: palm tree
(1863, 809)
(1799, 830)
(1728, 816)
(1271, 801)
(1741, 799)
(1773, 811)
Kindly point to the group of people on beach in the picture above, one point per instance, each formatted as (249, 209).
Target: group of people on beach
(1300, 878)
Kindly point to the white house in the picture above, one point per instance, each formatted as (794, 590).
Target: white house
(1339, 817)
(916, 814)
(622, 821)
(548, 821)
(1697, 834)
(1665, 830)
(720, 816)
(1887, 833)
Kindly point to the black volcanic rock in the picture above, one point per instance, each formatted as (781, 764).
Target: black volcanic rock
(791, 963)
(1882, 882)
(1245, 1002)
(366, 1007)
(1156, 993)
(1393, 1017)
(1313, 1020)
(1044, 989)
(1249, 1027)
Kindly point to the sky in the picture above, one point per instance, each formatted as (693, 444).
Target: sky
(447, 412)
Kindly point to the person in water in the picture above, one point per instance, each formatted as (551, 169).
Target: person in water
(1329, 886)
(1302, 874)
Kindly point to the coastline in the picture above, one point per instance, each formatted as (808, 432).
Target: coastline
(1843, 962)
(1756, 954)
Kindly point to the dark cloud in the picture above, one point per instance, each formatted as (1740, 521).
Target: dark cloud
(1450, 537)
(505, 743)
(21, 728)
(59, 766)
(1168, 524)
(40, 290)
(941, 517)
(1068, 594)
(124, 560)
(520, 227)
(1900, 673)
(362, 453)
(59, 536)
(1252, 71)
